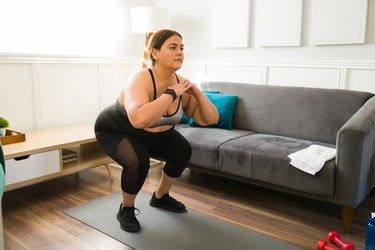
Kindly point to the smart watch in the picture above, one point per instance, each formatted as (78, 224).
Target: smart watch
(171, 92)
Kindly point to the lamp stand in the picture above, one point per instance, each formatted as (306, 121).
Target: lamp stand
(145, 50)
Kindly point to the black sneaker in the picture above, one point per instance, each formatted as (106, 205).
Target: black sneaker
(168, 203)
(126, 217)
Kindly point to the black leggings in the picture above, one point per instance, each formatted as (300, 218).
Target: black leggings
(132, 148)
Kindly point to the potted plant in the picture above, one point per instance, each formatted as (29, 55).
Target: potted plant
(3, 125)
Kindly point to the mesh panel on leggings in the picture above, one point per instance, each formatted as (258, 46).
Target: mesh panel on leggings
(135, 167)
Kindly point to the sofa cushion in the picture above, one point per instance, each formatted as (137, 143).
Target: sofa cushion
(265, 158)
(205, 143)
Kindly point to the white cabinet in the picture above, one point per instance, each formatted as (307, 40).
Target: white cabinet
(32, 166)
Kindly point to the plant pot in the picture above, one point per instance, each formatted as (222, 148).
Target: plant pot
(2, 132)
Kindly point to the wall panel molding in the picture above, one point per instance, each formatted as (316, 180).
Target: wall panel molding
(224, 33)
(280, 22)
(37, 95)
(102, 79)
(339, 22)
(278, 62)
(15, 58)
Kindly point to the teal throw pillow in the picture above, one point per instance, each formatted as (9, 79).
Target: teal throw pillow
(184, 118)
(226, 105)
(187, 120)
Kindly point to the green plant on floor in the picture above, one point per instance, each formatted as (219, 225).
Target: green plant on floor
(3, 122)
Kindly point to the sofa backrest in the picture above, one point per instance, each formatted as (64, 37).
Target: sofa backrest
(300, 112)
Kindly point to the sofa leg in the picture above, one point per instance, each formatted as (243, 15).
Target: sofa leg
(347, 218)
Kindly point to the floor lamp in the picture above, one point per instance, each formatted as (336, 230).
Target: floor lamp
(147, 20)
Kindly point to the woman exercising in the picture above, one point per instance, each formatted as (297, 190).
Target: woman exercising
(141, 123)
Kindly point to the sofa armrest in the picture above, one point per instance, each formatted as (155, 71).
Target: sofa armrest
(355, 157)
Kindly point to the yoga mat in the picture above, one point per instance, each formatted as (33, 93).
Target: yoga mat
(171, 231)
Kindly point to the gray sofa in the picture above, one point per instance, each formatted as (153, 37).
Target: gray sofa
(271, 122)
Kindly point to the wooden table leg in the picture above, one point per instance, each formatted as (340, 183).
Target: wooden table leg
(108, 166)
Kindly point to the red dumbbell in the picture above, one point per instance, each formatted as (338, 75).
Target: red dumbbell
(334, 237)
(323, 245)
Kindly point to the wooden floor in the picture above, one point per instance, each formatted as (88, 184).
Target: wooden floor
(34, 218)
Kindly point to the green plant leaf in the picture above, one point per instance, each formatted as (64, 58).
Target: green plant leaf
(3, 123)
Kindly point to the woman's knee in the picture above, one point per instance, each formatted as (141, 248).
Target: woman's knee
(178, 162)
(187, 152)
(181, 154)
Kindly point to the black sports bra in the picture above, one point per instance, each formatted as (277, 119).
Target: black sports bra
(172, 119)
(167, 119)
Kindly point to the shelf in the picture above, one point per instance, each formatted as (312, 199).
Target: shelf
(88, 161)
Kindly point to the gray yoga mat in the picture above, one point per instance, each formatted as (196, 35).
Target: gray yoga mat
(170, 231)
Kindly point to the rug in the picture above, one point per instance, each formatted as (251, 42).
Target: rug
(170, 231)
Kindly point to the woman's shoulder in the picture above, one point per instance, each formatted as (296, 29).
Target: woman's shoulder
(139, 76)
(142, 73)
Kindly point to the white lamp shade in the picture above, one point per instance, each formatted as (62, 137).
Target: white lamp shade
(149, 19)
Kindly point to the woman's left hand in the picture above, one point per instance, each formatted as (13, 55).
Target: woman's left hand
(193, 90)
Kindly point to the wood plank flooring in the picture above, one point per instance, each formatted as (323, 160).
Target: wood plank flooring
(33, 217)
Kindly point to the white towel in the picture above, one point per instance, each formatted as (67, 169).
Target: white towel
(312, 159)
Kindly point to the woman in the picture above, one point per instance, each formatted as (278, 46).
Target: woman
(141, 125)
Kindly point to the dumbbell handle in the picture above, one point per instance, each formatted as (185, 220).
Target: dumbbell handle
(334, 237)
(323, 245)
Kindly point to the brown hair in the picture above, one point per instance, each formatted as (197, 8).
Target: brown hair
(158, 39)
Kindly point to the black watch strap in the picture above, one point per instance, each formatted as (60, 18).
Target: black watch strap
(171, 92)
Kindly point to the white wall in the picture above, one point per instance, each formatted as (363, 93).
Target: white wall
(42, 93)
(193, 19)
(51, 89)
